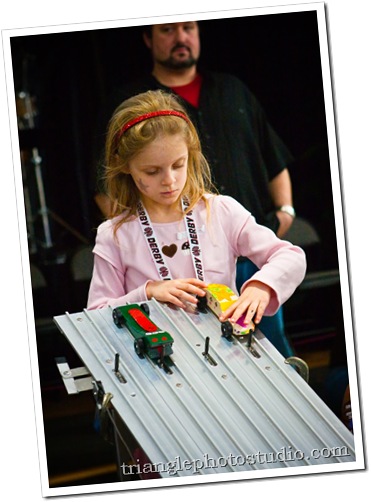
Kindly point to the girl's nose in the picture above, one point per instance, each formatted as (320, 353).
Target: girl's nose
(168, 178)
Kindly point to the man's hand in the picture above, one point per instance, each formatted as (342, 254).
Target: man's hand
(285, 223)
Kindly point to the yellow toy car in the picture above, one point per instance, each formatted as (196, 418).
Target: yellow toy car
(219, 298)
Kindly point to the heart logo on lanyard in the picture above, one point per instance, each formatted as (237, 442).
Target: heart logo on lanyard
(169, 250)
(158, 254)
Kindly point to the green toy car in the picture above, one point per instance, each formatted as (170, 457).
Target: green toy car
(149, 339)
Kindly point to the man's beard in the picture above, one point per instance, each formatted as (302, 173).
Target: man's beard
(176, 64)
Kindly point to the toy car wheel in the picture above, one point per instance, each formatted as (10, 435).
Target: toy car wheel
(145, 308)
(139, 347)
(227, 329)
(118, 318)
(201, 303)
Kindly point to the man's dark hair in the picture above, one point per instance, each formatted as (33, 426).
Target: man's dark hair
(147, 30)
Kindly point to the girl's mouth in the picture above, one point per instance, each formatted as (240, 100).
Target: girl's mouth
(169, 193)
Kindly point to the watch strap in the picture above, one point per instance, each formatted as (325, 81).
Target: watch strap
(286, 208)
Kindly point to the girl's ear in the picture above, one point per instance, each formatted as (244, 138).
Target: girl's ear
(125, 169)
(118, 162)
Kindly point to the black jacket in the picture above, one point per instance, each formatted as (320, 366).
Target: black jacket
(243, 150)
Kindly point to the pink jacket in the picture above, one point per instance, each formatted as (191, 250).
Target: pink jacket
(123, 265)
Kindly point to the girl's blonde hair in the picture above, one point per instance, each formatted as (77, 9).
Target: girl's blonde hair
(122, 147)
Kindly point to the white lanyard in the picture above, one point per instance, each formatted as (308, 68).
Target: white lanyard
(155, 250)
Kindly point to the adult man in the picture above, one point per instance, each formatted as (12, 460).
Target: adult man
(247, 158)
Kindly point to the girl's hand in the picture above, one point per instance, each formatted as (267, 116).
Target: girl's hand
(252, 302)
(177, 291)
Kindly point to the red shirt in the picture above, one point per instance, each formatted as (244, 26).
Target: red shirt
(190, 92)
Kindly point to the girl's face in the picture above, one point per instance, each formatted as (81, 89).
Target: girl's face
(160, 171)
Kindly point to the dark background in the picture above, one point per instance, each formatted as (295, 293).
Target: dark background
(68, 77)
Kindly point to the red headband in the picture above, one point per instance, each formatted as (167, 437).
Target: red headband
(146, 116)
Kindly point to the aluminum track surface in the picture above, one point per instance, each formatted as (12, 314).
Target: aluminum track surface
(244, 413)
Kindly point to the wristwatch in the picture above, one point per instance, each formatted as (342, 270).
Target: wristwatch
(288, 209)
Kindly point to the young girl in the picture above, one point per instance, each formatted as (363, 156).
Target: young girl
(170, 234)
